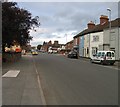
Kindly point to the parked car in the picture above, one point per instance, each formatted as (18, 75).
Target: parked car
(72, 54)
(34, 52)
(104, 57)
(24, 52)
(50, 51)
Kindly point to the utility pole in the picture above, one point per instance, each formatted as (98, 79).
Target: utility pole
(109, 10)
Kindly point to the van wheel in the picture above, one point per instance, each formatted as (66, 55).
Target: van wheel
(111, 63)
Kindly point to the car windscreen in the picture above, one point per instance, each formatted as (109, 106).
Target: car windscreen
(98, 54)
(103, 54)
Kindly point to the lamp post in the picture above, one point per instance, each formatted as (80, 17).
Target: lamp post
(66, 42)
(109, 10)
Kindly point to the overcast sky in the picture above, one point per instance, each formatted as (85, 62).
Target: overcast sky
(63, 20)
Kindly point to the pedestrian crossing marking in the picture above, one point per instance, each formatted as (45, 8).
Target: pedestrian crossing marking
(11, 73)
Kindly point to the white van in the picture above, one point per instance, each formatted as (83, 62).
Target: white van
(104, 57)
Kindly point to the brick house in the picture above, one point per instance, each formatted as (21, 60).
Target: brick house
(69, 46)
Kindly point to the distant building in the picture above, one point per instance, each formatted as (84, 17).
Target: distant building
(69, 46)
(45, 46)
(27, 47)
(49, 47)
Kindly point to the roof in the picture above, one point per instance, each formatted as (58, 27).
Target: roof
(99, 27)
(69, 42)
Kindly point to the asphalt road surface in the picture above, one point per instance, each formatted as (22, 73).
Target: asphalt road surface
(63, 81)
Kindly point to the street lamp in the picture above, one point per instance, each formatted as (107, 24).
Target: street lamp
(109, 10)
(66, 43)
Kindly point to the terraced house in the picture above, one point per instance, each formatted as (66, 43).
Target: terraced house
(99, 37)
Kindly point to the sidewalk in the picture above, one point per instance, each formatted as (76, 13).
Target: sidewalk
(23, 89)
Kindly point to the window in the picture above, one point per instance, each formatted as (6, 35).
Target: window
(95, 38)
(99, 54)
(94, 50)
(113, 54)
(112, 49)
(103, 53)
(109, 54)
(112, 35)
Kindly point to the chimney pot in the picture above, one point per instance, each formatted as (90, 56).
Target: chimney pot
(91, 25)
(103, 19)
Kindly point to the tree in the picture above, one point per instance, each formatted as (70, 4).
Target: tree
(16, 24)
(39, 47)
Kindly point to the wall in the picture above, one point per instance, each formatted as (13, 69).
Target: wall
(86, 45)
(114, 40)
(81, 46)
(117, 43)
(76, 41)
(96, 41)
(70, 46)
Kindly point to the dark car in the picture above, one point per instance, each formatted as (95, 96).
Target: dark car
(72, 54)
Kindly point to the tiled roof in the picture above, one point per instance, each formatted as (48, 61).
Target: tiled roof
(99, 27)
(69, 42)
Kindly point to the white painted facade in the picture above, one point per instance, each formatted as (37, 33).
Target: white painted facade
(113, 39)
(101, 41)
(96, 42)
(86, 45)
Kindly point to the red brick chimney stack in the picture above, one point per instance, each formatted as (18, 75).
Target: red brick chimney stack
(50, 42)
(103, 19)
(91, 25)
(56, 42)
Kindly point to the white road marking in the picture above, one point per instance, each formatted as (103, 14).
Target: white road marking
(11, 73)
(40, 86)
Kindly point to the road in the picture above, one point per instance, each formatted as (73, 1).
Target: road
(61, 81)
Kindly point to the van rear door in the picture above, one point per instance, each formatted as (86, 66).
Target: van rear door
(110, 56)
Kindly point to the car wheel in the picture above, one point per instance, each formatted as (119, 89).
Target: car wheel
(76, 57)
(111, 63)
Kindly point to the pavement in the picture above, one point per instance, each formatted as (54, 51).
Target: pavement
(23, 89)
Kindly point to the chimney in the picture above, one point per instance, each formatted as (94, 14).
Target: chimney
(50, 42)
(103, 19)
(55, 42)
(91, 25)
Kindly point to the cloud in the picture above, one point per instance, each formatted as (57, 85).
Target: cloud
(61, 18)
(61, 37)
